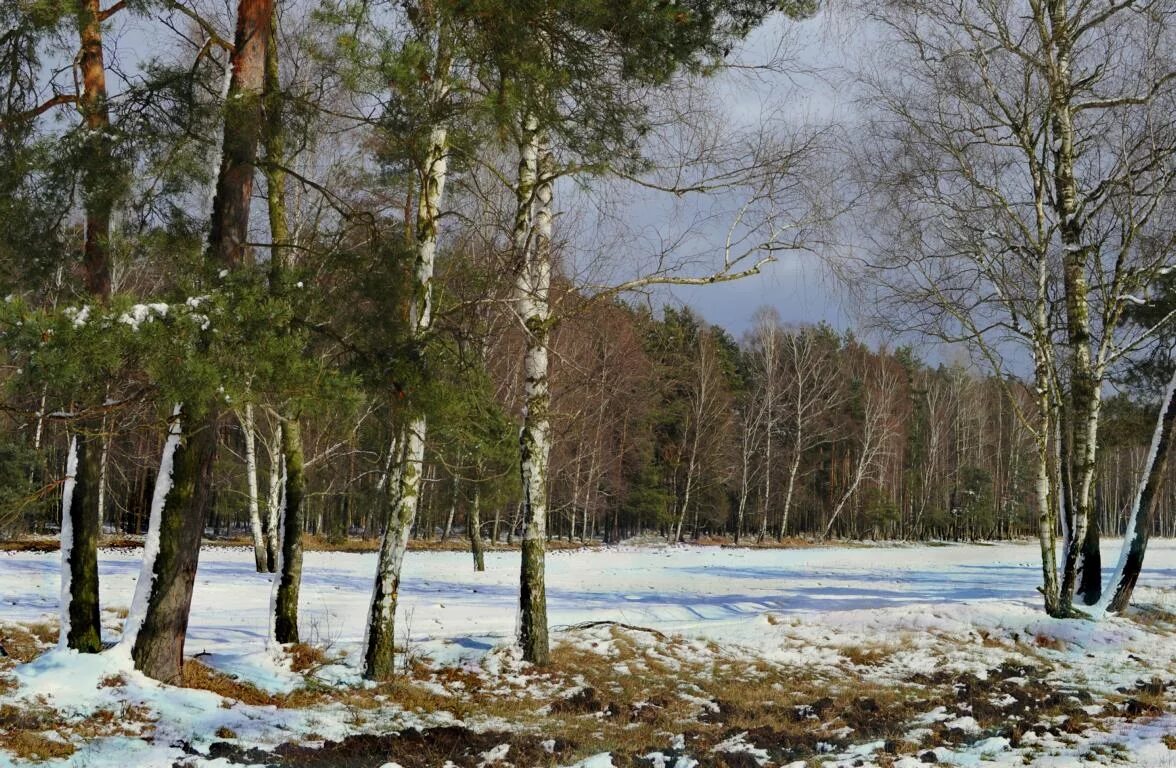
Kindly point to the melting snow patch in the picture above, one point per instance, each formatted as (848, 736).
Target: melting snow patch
(739, 743)
(603, 760)
(495, 755)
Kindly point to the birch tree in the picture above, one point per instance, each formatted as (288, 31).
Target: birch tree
(432, 34)
(1026, 159)
(811, 392)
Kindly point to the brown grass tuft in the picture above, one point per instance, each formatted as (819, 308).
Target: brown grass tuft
(205, 678)
(33, 746)
(305, 657)
(25, 642)
(1052, 643)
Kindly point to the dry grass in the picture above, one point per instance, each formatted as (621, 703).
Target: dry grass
(202, 677)
(51, 543)
(35, 747)
(1051, 643)
(23, 733)
(869, 655)
(25, 642)
(307, 659)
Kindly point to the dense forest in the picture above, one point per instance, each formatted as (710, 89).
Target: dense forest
(661, 425)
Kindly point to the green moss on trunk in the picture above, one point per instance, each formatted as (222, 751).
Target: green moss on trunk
(159, 647)
(286, 606)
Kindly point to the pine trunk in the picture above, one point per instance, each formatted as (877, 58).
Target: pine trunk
(159, 646)
(81, 626)
(98, 196)
(80, 558)
(229, 232)
(158, 649)
(290, 577)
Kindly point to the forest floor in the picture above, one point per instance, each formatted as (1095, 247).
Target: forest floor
(671, 657)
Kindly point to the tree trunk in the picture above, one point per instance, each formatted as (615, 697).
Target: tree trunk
(474, 526)
(228, 234)
(452, 511)
(81, 627)
(273, 502)
(405, 488)
(402, 503)
(259, 545)
(790, 489)
(290, 576)
(103, 466)
(81, 507)
(99, 194)
(532, 294)
(1090, 586)
(158, 649)
(1147, 498)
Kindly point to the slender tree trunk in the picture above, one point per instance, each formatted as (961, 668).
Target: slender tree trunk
(1085, 389)
(1147, 499)
(405, 486)
(532, 295)
(765, 501)
(793, 470)
(273, 502)
(379, 648)
(82, 631)
(98, 189)
(103, 466)
(474, 526)
(452, 511)
(293, 509)
(255, 527)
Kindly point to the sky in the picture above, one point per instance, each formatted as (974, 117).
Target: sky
(804, 86)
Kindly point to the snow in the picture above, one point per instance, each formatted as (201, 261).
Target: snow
(143, 313)
(67, 537)
(163, 485)
(724, 595)
(944, 608)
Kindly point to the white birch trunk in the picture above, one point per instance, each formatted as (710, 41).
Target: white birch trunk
(103, 463)
(406, 480)
(163, 485)
(532, 292)
(273, 500)
(259, 543)
(67, 540)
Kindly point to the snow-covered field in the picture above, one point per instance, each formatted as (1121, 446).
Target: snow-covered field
(957, 608)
